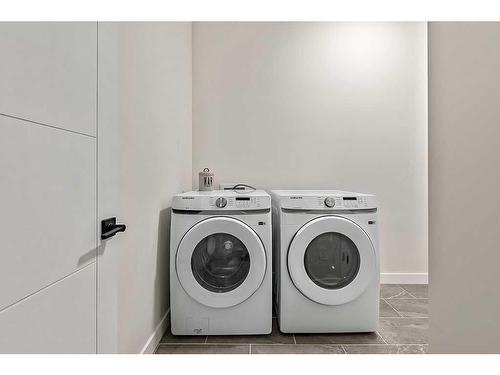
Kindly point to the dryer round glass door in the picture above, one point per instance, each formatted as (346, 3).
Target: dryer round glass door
(221, 262)
(331, 260)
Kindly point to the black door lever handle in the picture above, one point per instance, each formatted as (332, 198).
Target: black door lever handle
(109, 228)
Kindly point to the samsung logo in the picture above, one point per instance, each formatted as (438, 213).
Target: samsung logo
(295, 197)
(187, 197)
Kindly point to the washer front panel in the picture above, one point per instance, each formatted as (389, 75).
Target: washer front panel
(243, 233)
(299, 274)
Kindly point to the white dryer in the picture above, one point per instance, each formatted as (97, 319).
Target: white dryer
(326, 261)
(220, 263)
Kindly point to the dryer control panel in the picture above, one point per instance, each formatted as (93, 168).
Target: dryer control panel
(325, 200)
(343, 202)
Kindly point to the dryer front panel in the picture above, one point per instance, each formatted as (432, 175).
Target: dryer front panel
(220, 262)
(331, 260)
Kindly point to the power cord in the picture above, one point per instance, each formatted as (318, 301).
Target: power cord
(235, 188)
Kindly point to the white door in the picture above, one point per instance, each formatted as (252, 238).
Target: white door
(331, 260)
(220, 262)
(48, 86)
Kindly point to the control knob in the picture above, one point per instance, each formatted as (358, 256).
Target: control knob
(329, 202)
(221, 202)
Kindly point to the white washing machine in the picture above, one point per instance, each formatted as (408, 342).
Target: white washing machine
(220, 263)
(326, 261)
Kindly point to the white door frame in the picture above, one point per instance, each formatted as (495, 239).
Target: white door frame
(108, 183)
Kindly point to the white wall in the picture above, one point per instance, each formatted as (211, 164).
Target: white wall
(144, 159)
(320, 105)
(464, 181)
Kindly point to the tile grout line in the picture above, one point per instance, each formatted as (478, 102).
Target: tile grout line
(404, 317)
(187, 343)
(396, 344)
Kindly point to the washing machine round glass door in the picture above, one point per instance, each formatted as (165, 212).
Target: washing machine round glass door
(331, 260)
(221, 262)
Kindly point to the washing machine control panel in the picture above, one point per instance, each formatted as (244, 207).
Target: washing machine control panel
(221, 200)
(239, 203)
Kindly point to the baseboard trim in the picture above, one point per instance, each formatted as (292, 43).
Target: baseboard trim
(404, 278)
(154, 339)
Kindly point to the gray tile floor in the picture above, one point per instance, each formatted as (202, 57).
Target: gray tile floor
(402, 330)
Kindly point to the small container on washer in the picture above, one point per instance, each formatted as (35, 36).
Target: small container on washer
(206, 179)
